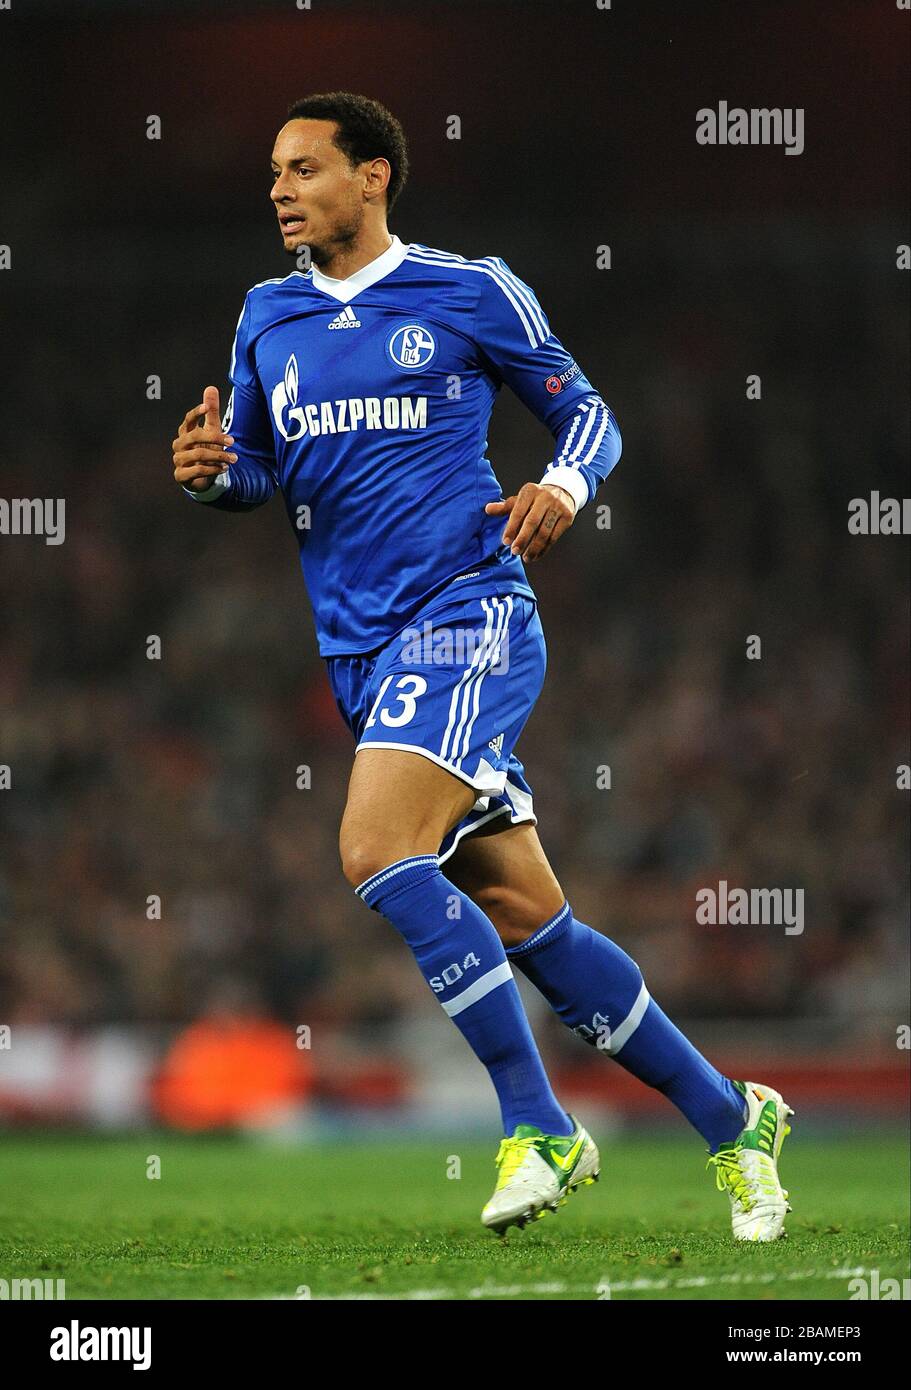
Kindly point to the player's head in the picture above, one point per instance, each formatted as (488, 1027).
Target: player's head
(339, 160)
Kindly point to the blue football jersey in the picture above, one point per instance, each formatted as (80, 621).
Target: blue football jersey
(366, 401)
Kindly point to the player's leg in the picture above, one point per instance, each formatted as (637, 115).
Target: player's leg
(592, 984)
(598, 991)
(423, 734)
(400, 806)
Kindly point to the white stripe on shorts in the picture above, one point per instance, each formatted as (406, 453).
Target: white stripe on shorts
(490, 661)
(454, 727)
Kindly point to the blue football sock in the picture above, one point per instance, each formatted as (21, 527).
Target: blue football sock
(462, 959)
(599, 992)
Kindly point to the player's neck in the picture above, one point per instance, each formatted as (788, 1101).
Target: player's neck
(353, 258)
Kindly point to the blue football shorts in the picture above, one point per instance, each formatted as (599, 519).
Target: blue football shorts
(456, 686)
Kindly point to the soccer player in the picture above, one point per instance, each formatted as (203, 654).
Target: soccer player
(362, 387)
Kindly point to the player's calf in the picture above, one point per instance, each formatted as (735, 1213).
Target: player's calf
(463, 961)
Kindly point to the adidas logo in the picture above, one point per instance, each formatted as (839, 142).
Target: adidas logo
(497, 745)
(346, 319)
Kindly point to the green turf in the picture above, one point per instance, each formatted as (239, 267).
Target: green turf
(236, 1219)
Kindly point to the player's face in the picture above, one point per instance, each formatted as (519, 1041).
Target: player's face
(317, 194)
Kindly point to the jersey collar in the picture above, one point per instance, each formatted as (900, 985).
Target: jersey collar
(345, 290)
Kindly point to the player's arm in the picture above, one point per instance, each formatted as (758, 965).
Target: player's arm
(229, 464)
(514, 336)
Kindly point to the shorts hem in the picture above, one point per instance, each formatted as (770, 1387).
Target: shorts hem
(481, 787)
(528, 819)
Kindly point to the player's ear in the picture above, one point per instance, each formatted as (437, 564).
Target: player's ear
(379, 172)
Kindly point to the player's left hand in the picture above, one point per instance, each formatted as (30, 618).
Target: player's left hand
(539, 513)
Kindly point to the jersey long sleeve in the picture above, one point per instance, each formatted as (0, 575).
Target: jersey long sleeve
(515, 337)
(366, 403)
(251, 481)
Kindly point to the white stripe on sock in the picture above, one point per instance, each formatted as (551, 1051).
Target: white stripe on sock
(492, 980)
(620, 1036)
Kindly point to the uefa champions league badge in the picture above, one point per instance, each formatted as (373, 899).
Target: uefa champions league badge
(410, 347)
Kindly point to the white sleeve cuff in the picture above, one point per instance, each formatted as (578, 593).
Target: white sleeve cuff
(572, 481)
(219, 487)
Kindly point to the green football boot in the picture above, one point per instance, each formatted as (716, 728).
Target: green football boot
(537, 1172)
(748, 1167)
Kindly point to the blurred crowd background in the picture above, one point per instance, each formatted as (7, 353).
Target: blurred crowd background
(177, 777)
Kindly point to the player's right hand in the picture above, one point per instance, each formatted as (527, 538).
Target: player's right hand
(200, 451)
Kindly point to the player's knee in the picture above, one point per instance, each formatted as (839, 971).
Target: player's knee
(359, 860)
(363, 856)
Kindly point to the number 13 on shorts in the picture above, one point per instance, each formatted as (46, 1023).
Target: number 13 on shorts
(407, 690)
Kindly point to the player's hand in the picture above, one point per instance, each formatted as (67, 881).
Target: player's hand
(539, 513)
(201, 451)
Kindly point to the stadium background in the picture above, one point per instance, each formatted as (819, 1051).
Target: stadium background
(176, 777)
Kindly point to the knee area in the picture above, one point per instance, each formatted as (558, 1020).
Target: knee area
(364, 856)
(361, 859)
(369, 842)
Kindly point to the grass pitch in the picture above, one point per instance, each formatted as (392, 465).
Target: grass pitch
(234, 1219)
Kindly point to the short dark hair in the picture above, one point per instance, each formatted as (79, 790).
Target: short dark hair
(366, 130)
